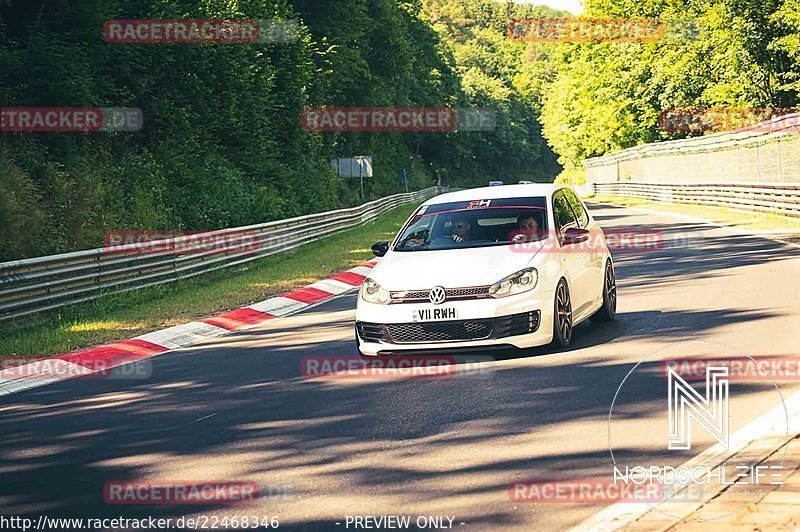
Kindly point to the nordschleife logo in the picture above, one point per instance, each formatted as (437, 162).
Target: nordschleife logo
(686, 404)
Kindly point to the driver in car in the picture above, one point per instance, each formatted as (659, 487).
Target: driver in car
(462, 230)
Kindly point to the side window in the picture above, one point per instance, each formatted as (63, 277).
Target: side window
(577, 208)
(417, 229)
(562, 213)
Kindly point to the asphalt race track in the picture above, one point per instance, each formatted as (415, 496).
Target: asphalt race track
(239, 408)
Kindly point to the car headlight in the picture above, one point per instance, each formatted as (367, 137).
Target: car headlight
(516, 283)
(372, 292)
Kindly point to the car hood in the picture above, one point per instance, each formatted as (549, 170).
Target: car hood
(451, 268)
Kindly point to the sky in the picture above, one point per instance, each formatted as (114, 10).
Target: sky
(568, 5)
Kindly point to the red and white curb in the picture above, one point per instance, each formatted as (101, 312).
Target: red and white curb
(102, 358)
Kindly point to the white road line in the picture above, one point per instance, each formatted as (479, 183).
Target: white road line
(204, 417)
(19, 385)
(183, 335)
(332, 286)
(361, 270)
(279, 306)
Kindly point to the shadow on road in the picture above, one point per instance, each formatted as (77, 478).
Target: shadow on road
(62, 443)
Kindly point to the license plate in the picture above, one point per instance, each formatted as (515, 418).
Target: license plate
(434, 314)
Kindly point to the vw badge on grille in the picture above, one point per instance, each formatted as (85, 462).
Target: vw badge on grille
(437, 295)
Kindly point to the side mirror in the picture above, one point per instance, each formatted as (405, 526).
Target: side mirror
(575, 235)
(380, 249)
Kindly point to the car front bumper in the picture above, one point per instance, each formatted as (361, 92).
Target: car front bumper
(524, 320)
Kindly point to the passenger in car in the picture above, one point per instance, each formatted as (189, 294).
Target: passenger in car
(527, 228)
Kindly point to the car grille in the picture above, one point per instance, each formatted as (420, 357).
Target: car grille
(453, 294)
(439, 331)
(449, 331)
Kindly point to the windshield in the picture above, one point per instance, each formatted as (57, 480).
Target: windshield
(477, 223)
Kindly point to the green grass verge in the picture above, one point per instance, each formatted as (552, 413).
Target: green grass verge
(121, 316)
(745, 220)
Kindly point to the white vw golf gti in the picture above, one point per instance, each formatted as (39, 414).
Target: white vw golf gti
(517, 265)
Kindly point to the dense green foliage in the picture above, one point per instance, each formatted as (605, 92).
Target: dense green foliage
(608, 96)
(222, 143)
(505, 75)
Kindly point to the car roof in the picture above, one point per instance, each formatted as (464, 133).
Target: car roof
(505, 191)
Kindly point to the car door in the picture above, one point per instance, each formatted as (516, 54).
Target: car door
(593, 248)
(574, 257)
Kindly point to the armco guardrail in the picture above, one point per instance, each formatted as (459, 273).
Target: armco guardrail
(45, 283)
(758, 197)
(768, 152)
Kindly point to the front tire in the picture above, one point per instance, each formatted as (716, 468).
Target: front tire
(562, 318)
(608, 312)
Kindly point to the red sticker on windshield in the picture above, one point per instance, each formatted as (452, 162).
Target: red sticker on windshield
(479, 204)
